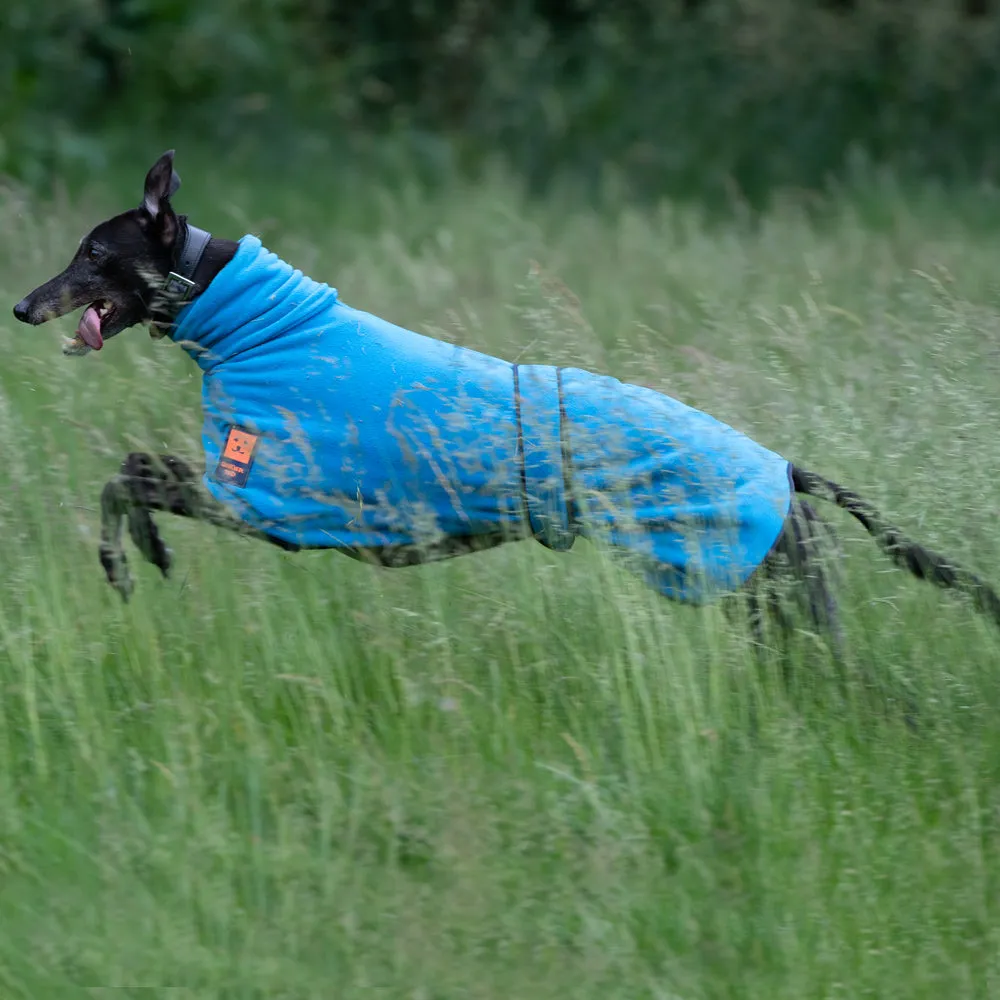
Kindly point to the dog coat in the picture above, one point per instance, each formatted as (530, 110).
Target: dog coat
(328, 427)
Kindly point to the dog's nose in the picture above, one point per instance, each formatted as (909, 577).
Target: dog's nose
(21, 310)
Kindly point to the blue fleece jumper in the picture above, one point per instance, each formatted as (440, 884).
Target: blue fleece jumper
(360, 433)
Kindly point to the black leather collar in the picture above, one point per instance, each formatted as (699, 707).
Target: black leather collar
(179, 283)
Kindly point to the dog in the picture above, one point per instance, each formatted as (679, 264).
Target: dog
(326, 427)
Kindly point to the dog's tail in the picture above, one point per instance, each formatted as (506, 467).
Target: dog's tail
(905, 553)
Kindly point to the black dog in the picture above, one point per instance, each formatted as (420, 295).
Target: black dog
(148, 264)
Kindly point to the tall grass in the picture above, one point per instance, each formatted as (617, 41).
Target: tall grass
(519, 774)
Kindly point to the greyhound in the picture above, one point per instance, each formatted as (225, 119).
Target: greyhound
(547, 441)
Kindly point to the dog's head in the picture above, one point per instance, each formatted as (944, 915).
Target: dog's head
(119, 271)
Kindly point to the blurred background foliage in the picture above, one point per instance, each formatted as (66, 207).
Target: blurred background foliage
(686, 98)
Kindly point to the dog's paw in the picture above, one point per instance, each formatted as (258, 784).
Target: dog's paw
(116, 570)
(165, 560)
(146, 537)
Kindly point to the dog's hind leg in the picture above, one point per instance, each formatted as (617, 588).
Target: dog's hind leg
(809, 550)
(792, 588)
(147, 483)
(812, 551)
(793, 580)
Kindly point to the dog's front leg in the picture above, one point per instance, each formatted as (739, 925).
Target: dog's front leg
(147, 483)
(115, 505)
(144, 483)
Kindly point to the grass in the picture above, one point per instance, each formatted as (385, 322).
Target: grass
(521, 774)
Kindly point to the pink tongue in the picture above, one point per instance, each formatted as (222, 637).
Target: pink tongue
(90, 329)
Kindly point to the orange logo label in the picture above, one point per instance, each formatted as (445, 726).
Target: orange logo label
(237, 457)
(239, 445)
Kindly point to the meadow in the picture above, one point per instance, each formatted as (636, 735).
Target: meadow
(519, 774)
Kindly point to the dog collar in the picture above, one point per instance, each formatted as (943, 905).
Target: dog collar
(179, 283)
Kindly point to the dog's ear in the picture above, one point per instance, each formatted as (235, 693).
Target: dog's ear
(161, 183)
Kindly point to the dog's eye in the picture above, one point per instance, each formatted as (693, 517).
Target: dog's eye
(94, 252)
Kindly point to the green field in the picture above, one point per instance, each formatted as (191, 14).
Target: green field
(517, 775)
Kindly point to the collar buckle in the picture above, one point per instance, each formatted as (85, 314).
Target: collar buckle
(177, 286)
